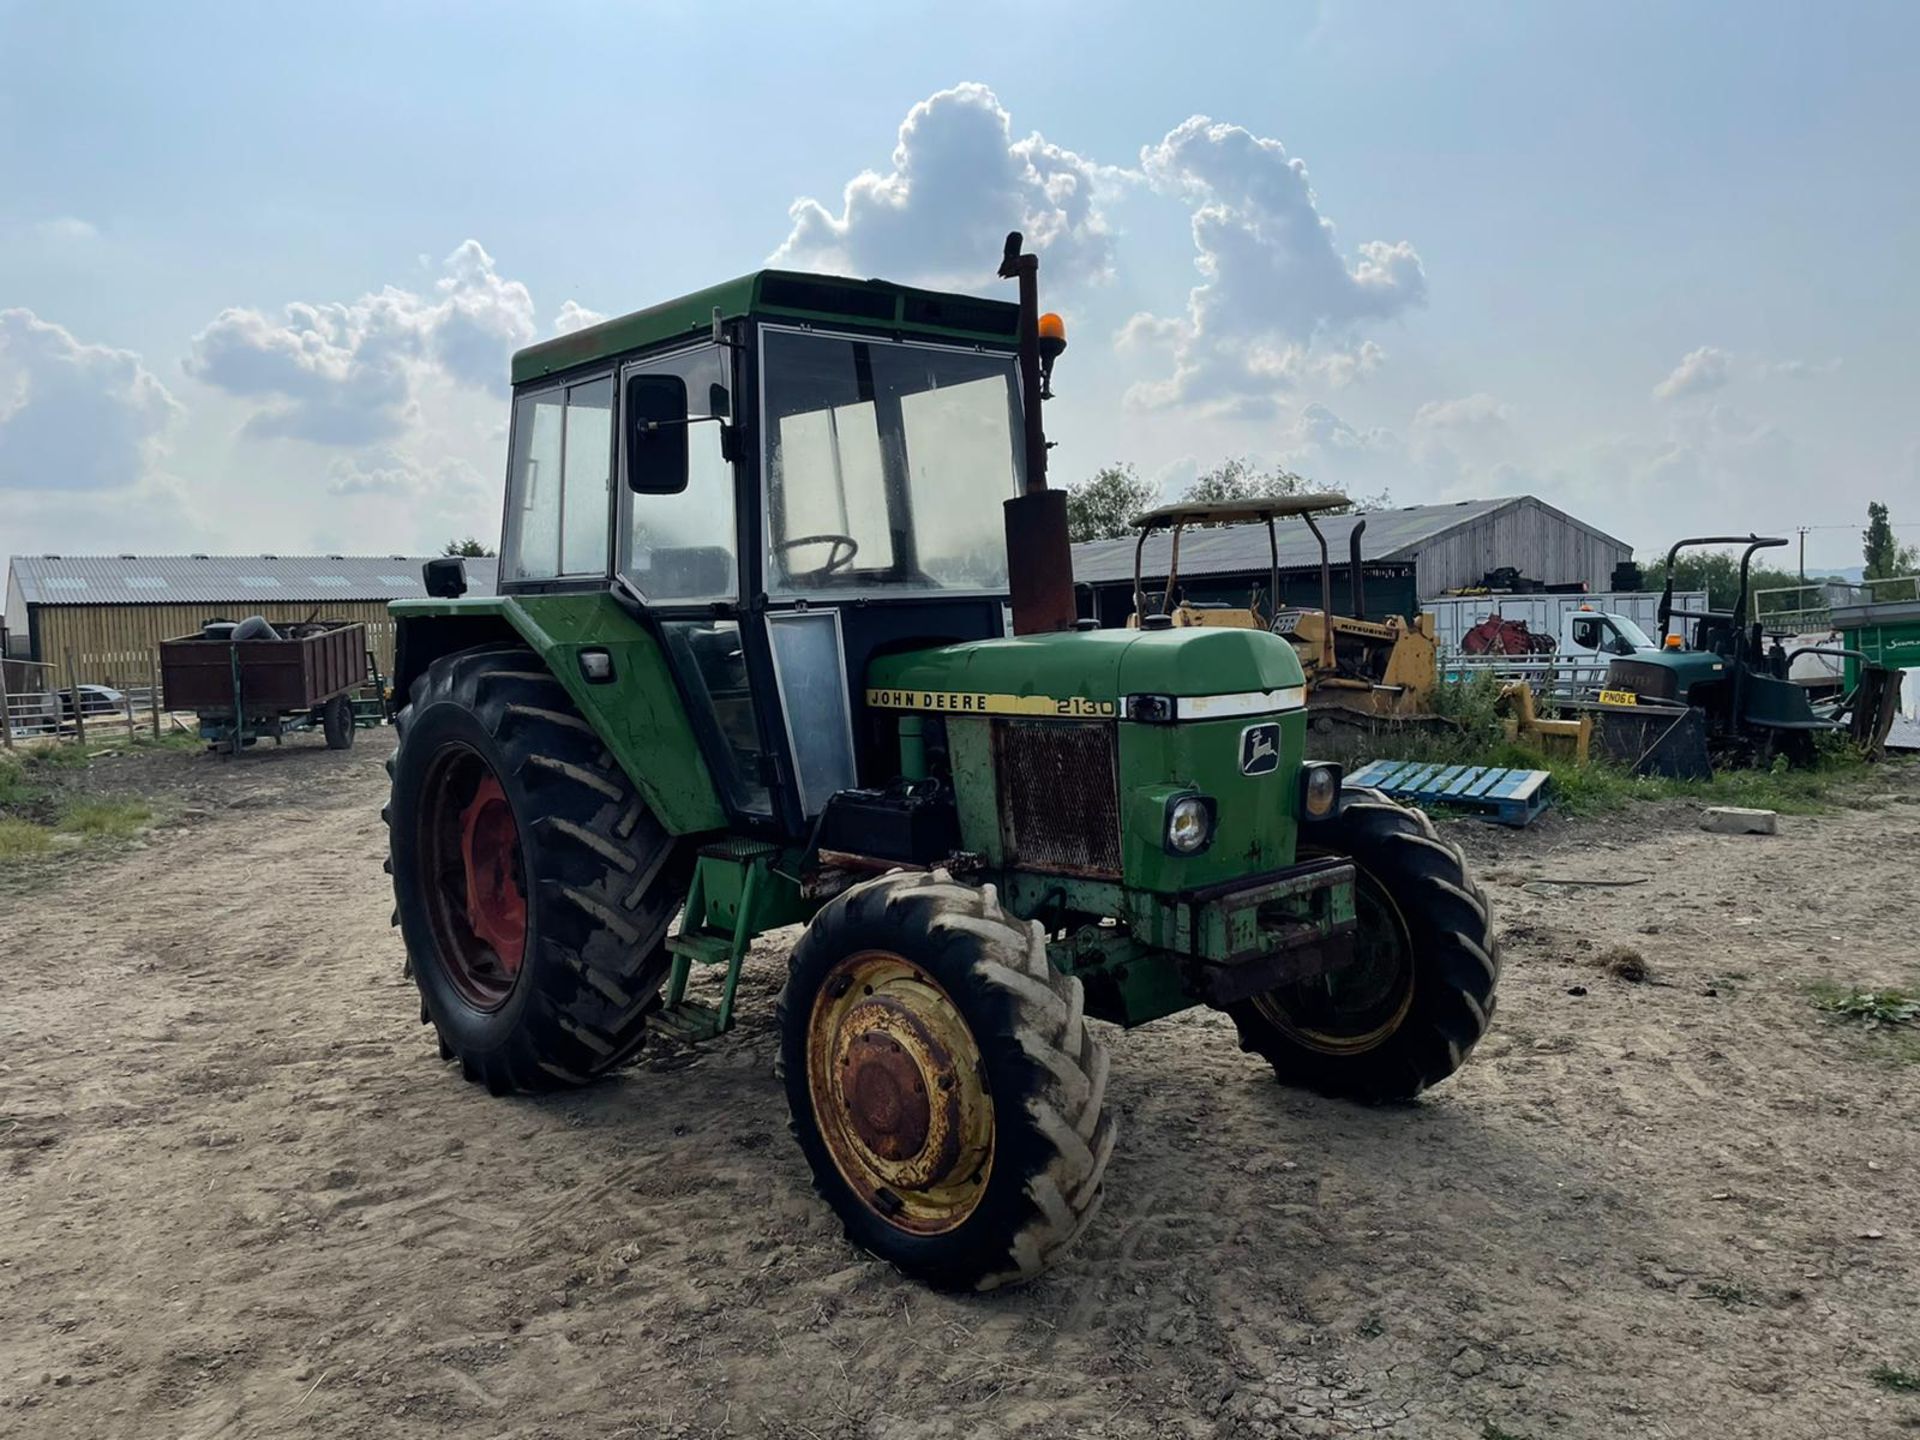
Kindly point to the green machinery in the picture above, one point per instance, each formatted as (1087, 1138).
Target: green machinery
(1734, 687)
(785, 633)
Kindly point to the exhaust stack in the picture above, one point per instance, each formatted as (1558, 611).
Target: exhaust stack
(1039, 555)
(1356, 582)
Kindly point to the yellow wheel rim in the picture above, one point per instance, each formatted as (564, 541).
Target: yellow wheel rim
(899, 1094)
(1385, 945)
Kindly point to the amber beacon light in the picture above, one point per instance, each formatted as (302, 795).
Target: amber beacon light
(1053, 342)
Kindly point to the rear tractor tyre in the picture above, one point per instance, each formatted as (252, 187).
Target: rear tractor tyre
(532, 884)
(1420, 993)
(943, 1082)
(336, 722)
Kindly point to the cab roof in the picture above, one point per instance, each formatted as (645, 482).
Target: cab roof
(779, 294)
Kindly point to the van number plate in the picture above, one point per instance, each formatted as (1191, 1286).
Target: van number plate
(1619, 697)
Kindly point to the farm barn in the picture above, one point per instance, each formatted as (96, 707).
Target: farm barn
(110, 612)
(1408, 555)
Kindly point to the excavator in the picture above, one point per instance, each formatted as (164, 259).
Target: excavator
(1358, 670)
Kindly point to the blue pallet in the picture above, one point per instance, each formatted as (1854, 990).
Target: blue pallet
(1506, 797)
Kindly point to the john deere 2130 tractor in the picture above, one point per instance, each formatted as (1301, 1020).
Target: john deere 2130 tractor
(785, 633)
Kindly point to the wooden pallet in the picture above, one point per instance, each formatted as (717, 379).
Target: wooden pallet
(1506, 797)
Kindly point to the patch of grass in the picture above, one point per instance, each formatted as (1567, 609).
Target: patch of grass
(1888, 1377)
(1476, 737)
(21, 839)
(110, 819)
(1889, 1006)
(60, 757)
(13, 782)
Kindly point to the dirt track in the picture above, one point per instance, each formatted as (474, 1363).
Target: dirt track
(240, 1196)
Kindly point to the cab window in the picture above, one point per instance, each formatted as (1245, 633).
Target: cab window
(682, 547)
(558, 483)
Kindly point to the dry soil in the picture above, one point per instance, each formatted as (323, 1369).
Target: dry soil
(240, 1195)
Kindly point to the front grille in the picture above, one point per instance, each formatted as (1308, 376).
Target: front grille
(1652, 682)
(1059, 795)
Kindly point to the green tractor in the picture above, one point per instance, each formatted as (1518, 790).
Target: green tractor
(1746, 709)
(785, 633)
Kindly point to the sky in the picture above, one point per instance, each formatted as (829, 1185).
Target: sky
(262, 267)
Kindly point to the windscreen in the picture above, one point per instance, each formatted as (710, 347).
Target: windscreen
(887, 464)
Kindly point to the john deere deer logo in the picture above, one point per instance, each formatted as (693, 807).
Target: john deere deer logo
(1259, 749)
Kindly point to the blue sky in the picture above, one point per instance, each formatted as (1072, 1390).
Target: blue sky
(1650, 263)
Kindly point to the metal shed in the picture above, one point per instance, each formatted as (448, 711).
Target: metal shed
(110, 612)
(1448, 547)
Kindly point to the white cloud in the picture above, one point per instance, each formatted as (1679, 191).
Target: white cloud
(1797, 369)
(391, 473)
(75, 416)
(66, 230)
(350, 373)
(959, 183)
(1699, 373)
(1278, 302)
(575, 316)
(1471, 414)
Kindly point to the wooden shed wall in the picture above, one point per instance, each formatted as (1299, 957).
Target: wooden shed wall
(1540, 543)
(116, 644)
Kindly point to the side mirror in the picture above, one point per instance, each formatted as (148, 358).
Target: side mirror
(656, 430)
(445, 578)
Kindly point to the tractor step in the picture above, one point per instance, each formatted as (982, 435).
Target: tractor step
(703, 947)
(691, 1021)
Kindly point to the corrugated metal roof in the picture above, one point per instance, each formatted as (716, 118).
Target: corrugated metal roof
(1390, 535)
(228, 579)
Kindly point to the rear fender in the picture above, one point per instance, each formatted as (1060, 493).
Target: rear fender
(638, 714)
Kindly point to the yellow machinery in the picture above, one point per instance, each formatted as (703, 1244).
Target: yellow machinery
(1367, 668)
(1573, 737)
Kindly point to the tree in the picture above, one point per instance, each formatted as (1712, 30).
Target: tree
(1103, 508)
(1237, 479)
(469, 547)
(1877, 544)
(1718, 573)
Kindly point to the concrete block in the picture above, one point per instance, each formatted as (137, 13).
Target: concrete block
(1739, 820)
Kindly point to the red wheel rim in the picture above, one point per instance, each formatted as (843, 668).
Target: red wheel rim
(473, 877)
(490, 848)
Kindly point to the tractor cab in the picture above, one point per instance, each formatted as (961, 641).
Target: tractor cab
(784, 478)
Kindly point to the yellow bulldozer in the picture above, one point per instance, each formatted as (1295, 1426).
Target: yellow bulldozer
(1356, 668)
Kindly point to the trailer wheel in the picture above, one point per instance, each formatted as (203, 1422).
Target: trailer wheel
(1421, 991)
(943, 1083)
(336, 722)
(531, 883)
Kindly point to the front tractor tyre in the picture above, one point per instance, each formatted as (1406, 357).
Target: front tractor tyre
(943, 1082)
(1420, 991)
(532, 884)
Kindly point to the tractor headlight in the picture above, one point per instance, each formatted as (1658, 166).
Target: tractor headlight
(1189, 824)
(1319, 790)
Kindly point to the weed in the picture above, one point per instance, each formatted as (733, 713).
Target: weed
(13, 784)
(1475, 736)
(114, 819)
(1889, 1006)
(20, 839)
(1887, 1377)
(59, 757)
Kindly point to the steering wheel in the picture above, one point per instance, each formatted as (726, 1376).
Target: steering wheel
(835, 559)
